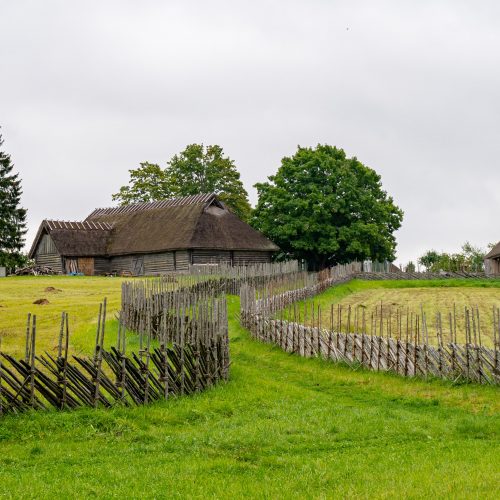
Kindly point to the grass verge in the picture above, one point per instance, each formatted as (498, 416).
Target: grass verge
(282, 427)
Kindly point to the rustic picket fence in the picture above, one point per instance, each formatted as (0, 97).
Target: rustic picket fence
(254, 270)
(215, 279)
(357, 341)
(190, 356)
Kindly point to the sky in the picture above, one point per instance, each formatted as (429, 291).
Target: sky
(88, 90)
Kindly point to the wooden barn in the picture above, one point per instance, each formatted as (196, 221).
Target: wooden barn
(492, 261)
(151, 238)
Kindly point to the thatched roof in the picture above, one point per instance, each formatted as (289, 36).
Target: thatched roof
(75, 239)
(192, 222)
(494, 253)
(200, 221)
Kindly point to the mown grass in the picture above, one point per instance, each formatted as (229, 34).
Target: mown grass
(282, 427)
(433, 295)
(78, 295)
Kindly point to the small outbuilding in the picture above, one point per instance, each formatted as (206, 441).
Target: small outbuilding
(492, 261)
(151, 238)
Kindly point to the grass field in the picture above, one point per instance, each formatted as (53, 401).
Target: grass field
(78, 295)
(282, 427)
(401, 295)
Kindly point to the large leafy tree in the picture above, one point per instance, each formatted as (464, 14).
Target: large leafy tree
(147, 183)
(12, 216)
(326, 208)
(197, 169)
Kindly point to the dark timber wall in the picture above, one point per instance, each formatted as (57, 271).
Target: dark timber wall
(166, 262)
(182, 260)
(241, 258)
(158, 263)
(102, 265)
(237, 258)
(47, 255)
(121, 263)
(151, 263)
(211, 256)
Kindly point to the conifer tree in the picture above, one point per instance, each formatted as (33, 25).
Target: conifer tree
(12, 216)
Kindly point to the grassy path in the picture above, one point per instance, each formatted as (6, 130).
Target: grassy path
(283, 427)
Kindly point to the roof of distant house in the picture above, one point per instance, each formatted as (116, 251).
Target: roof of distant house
(494, 252)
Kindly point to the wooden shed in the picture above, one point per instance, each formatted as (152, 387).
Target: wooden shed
(151, 238)
(492, 261)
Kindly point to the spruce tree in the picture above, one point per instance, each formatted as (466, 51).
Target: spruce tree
(12, 216)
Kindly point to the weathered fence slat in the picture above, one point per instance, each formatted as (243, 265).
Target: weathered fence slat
(193, 355)
(409, 352)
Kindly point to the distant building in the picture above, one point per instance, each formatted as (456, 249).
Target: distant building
(492, 261)
(151, 238)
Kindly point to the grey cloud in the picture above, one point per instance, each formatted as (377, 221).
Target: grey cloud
(90, 89)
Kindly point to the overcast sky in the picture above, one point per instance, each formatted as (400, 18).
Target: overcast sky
(89, 89)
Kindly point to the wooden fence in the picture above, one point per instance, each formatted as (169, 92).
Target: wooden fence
(360, 340)
(248, 271)
(192, 356)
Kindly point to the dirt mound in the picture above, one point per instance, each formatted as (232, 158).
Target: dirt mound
(51, 289)
(41, 302)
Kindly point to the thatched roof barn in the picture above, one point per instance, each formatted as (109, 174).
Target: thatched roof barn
(492, 261)
(151, 238)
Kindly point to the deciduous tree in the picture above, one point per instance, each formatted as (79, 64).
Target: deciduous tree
(195, 170)
(326, 208)
(470, 258)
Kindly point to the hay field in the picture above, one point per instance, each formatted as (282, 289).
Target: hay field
(78, 295)
(403, 296)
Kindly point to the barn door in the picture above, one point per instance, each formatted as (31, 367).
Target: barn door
(86, 265)
(71, 265)
(138, 265)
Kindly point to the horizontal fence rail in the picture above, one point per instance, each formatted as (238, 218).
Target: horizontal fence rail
(353, 337)
(192, 355)
(245, 271)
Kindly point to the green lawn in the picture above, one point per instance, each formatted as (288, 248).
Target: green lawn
(282, 427)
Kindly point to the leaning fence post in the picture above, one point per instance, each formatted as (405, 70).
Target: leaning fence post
(99, 348)
(28, 332)
(32, 363)
(1, 376)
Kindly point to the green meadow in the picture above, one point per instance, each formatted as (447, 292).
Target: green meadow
(282, 427)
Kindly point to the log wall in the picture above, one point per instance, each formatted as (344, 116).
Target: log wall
(46, 254)
(158, 263)
(102, 265)
(243, 258)
(50, 260)
(122, 263)
(211, 256)
(182, 260)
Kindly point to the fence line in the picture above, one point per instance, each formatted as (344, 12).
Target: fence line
(275, 317)
(193, 356)
(245, 271)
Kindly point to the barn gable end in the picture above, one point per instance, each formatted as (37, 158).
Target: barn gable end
(45, 253)
(492, 261)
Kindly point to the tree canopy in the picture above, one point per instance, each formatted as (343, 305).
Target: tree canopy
(197, 169)
(12, 216)
(326, 208)
(469, 258)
